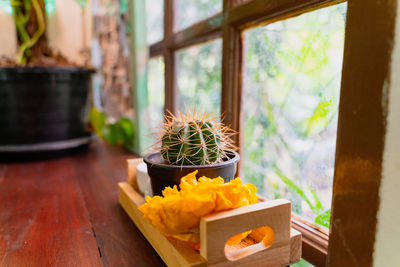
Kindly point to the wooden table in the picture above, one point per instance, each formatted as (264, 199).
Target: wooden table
(65, 212)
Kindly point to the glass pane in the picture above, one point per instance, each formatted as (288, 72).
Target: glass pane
(155, 20)
(199, 77)
(155, 87)
(291, 94)
(188, 12)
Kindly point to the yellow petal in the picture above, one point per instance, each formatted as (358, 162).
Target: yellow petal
(177, 213)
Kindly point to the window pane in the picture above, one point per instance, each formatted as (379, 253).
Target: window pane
(291, 95)
(155, 87)
(189, 12)
(199, 77)
(155, 20)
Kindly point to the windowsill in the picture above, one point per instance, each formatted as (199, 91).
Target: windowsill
(314, 241)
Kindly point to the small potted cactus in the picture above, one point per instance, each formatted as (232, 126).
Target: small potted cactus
(190, 142)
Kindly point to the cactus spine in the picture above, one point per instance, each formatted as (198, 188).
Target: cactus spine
(194, 139)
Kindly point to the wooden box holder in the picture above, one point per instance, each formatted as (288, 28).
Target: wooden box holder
(217, 228)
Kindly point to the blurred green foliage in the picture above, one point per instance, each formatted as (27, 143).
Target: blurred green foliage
(290, 103)
(188, 12)
(155, 110)
(81, 3)
(120, 132)
(199, 77)
(291, 82)
(154, 20)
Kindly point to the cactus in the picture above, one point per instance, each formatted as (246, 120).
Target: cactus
(195, 139)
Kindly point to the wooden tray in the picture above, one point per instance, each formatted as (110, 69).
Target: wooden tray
(217, 228)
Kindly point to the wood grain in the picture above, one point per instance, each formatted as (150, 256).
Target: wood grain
(286, 248)
(203, 31)
(156, 49)
(171, 91)
(172, 251)
(98, 175)
(232, 58)
(259, 12)
(65, 212)
(315, 242)
(361, 131)
(217, 228)
(43, 217)
(266, 218)
(296, 245)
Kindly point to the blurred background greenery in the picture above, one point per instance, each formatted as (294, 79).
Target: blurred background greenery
(291, 87)
(291, 84)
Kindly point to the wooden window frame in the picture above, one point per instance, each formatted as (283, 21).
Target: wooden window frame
(229, 25)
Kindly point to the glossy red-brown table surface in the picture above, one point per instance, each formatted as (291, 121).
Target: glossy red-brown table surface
(65, 212)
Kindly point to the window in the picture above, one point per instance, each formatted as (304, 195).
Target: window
(291, 85)
(154, 20)
(155, 109)
(188, 12)
(199, 77)
(273, 68)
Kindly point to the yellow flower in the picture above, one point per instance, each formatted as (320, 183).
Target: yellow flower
(178, 213)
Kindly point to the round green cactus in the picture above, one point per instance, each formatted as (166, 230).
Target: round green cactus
(194, 139)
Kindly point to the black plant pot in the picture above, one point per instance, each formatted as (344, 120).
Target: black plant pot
(163, 174)
(43, 109)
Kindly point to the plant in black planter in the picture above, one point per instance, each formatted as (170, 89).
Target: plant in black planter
(188, 143)
(42, 96)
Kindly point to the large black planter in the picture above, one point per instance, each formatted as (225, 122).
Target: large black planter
(43, 108)
(163, 174)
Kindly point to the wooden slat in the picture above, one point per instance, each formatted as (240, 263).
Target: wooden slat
(156, 49)
(240, 15)
(65, 212)
(169, 59)
(257, 12)
(203, 31)
(315, 243)
(215, 229)
(369, 39)
(119, 241)
(296, 245)
(171, 91)
(231, 76)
